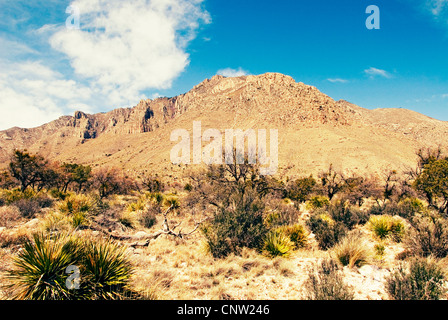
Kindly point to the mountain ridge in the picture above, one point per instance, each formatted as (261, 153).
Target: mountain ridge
(315, 130)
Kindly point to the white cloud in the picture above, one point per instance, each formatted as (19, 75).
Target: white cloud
(373, 72)
(229, 72)
(32, 94)
(124, 48)
(437, 7)
(337, 80)
(12, 49)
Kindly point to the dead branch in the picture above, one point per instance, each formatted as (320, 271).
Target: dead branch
(143, 240)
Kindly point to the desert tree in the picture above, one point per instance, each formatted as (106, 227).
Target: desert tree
(359, 188)
(432, 183)
(27, 169)
(110, 181)
(77, 174)
(151, 182)
(331, 182)
(233, 194)
(300, 189)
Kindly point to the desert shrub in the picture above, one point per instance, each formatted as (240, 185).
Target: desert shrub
(109, 181)
(409, 207)
(300, 189)
(157, 197)
(139, 205)
(44, 201)
(327, 231)
(79, 208)
(352, 251)
(406, 208)
(327, 283)
(297, 234)
(28, 207)
(11, 196)
(171, 201)
(386, 226)
(40, 269)
(317, 202)
(39, 272)
(234, 228)
(56, 222)
(128, 219)
(423, 280)
(78, 203)
(57, 194)
(380, 249)
(106, 270)
(432, 183)
(348, 215)
(281, 215)
(277, 244)
(428, 236)
(148, 218)
(9, 216)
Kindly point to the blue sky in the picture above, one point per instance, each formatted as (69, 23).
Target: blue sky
(127, 51)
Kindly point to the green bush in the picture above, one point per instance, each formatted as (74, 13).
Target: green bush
(327, 283)
(39, 272)
(232, 229)
(277, 244)
(40, 269)
(424, 280)
(11, 196)
(386, 226)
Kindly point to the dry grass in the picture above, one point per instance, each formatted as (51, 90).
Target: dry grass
(171, 268)
(9, 216)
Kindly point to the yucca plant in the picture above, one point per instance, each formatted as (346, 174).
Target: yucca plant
(386, 226)
(277, 244)
(40, 268)
(172, 202)
(78, 203)
(297, 234)
(107, 270)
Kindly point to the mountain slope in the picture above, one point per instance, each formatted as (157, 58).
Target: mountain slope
(314, 130)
